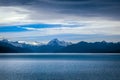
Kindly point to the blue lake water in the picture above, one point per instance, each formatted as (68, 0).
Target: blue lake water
(60, 66)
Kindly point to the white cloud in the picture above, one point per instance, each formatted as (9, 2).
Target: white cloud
(23, 15)
(14, 14)
(62, 30)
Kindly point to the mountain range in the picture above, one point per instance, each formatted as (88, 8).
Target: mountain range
(57, 46)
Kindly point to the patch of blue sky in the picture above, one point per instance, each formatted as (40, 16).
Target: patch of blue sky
(40, 25)
(30, 27)
(18, 28)
(12, 29)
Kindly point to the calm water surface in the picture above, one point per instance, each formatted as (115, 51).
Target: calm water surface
(59, 69)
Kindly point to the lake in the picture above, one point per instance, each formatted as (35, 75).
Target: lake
(60, 66)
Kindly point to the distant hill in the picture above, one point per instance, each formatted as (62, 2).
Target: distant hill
(9, 47)
(56, 46)
(96, 47)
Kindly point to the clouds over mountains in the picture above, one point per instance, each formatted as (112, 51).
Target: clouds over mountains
(76, 17)
(60, 11)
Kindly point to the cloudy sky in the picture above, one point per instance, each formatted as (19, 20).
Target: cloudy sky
(70, 20)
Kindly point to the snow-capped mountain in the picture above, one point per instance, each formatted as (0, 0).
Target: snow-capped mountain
(21, 43)
(23, 46)
(54, 46)
(30, 43)
(5, 40)
(56, 42)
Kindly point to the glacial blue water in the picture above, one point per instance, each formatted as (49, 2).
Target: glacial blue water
(65, 67)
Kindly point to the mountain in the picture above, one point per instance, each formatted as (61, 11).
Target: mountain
(7, 46)
(52, 46)
(23, 46)
(57, 46)
(56, 42)
(96, 47)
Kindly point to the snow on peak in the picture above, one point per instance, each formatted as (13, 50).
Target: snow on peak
(4, 40)
(55, 42)
(30, 43)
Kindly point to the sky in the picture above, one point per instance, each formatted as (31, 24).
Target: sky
(69, 20)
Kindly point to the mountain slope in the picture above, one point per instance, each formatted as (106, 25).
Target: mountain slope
(56, 46)
(56, 42)
(53, 46)
(97, 47)
(10, 47)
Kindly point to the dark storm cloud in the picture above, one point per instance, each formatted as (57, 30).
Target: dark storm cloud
(15, 2)
(105, 8)
(97, 8)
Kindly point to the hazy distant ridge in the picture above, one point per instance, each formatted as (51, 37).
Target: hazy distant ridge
(57, 46)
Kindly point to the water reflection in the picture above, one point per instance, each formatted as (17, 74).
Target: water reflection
(59, 70)
(60, 56)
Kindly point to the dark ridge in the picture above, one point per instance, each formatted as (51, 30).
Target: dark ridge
(81, 47)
